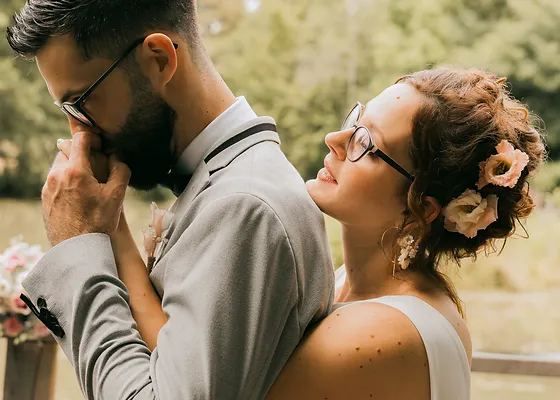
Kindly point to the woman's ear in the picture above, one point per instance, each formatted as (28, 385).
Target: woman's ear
(432, 209)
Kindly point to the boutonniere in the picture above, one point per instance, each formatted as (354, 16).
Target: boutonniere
(153, 235)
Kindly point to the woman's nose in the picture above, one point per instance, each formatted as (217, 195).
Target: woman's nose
(338, 142)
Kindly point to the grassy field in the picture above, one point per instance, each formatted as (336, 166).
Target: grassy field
(511, 299)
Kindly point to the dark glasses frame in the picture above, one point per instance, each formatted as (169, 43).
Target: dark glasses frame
(372, 147)
(75, 107)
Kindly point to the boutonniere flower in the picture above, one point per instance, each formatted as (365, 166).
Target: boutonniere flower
(504, 168)
(153, 235)
(470, 212)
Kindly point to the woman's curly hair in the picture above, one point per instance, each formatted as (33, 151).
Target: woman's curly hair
(465, 115)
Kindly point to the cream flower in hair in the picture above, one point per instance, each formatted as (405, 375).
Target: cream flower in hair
(469, 213)
(504, 168)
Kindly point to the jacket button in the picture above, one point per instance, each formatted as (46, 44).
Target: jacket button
(57, 330)
(41, 303)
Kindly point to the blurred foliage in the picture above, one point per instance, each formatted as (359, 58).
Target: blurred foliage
(29, 123)
(548, 178)
(305, 62)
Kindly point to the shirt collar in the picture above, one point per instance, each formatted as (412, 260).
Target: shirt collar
(237, 114)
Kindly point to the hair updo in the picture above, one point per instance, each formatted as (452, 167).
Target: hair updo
(466, 114)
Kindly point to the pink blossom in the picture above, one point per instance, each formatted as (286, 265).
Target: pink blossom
(12, 327)
(14, 261)
(161, 219)
(150, 241)
(40, 330)
(18, 306)
(470, 213)
(504, 168)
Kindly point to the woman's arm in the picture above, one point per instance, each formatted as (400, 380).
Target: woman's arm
(144, 301)
(364, 351)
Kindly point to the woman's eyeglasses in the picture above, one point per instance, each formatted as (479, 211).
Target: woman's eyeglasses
(362, 142)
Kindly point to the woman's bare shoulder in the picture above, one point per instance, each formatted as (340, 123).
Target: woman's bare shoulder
(359, 350)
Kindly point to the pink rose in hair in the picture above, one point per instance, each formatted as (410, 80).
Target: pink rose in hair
(470, 213)
(12, 327)
(504, 168)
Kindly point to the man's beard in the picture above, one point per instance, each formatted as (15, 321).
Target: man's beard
(144, 141)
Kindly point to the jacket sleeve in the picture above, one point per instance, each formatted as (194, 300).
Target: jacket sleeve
(229, 285)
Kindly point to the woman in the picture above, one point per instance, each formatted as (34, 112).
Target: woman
(435, 167)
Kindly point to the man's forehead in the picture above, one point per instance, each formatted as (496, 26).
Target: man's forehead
(64, 69)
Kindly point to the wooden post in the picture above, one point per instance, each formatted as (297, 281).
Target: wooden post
(30, 371)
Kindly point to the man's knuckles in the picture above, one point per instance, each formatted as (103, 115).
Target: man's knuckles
(76, 173)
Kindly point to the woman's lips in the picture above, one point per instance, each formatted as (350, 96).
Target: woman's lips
(325, 176)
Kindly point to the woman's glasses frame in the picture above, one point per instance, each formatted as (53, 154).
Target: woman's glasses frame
(75, 109)
(351, 121)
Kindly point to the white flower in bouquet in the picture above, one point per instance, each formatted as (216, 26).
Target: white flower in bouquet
(16, 320)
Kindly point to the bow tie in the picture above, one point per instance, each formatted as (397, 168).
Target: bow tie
(176, 182)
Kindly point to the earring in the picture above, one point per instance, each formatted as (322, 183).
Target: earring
(392, 259)
(408, 251)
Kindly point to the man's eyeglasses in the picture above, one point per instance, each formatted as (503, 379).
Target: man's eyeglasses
(75, 109)
(362, 142)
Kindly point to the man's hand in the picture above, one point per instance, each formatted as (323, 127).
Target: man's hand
(74, 201)
(99, 161)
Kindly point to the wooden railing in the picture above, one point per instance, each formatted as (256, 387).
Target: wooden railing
(539, 364)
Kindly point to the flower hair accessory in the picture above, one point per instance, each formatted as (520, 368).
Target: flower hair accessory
(470, 212)
(153, 235)
(504, 168)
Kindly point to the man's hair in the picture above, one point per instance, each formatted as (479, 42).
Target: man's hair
(102, 28)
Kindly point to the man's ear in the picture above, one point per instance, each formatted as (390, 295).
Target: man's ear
(158, 60)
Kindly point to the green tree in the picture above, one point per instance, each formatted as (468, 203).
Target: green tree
(29, 123)
(305, 62)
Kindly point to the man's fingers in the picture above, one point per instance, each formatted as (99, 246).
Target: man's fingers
(81, 149)
(119, 174)
(65, 146)
(57, 165)
(59, 160)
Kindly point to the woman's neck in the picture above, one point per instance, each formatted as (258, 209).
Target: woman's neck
(369, 270)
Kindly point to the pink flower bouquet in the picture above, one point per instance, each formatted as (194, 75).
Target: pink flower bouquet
(16, 320)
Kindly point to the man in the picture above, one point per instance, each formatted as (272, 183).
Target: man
(247, 266)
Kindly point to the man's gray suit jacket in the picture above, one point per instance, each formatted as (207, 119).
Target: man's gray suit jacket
(246, 270)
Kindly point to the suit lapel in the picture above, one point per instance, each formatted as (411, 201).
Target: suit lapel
(199, 181)
(201, 177)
